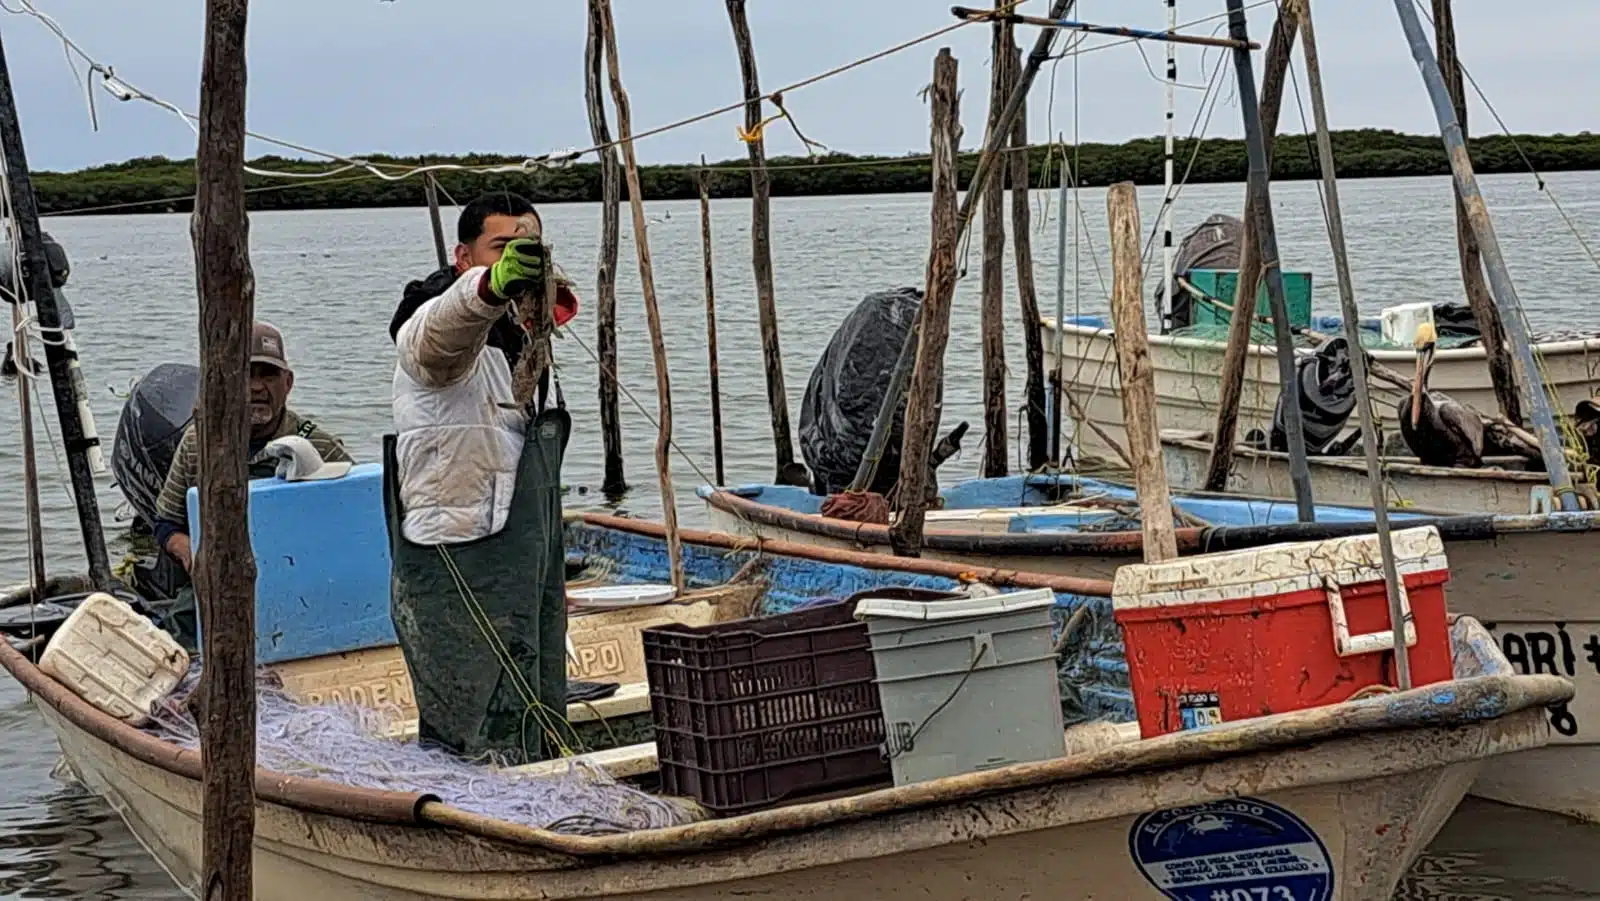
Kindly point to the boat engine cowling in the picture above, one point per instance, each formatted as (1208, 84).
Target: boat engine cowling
(1327, 397)
(153, 418)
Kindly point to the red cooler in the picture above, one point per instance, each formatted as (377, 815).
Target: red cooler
(1226, 637)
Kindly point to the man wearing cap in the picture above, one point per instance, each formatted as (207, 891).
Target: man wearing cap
(270, 417)
(472, 496)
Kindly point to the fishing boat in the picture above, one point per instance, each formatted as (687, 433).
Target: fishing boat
(1345, 796)
(1502, 485)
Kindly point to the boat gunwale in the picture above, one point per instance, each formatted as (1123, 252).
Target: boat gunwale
(1390, 465)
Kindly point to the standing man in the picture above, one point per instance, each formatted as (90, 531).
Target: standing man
(472, 496)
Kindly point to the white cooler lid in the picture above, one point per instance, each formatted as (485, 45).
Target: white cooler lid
(964, 608)
(1275, 569)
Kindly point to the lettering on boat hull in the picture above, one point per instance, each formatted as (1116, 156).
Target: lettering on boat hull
(1567, 649)
(1239, 849)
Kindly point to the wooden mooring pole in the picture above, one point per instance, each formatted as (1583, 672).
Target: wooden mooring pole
(703, 178)
(1138, 375)
(1477, 290)
(1399, 617)
(1027, 295)
(430, 188)
(224, 566)
(991, 311)
(922, 403)
(1266, 236)
(761, 241)
(614, 482)
(1237, 353)
(647, 285)
(32, 519)
(34, 277)
(1505, 292)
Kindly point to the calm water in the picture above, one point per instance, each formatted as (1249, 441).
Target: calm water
(330, 281)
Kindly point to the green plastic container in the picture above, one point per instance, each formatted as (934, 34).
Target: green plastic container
(1222, 283)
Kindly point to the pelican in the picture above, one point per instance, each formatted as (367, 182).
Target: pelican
(1439, 430)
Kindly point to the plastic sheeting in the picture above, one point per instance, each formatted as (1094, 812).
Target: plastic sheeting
(1213, 244)
(847, 387)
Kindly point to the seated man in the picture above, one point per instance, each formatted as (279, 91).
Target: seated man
(473, 498)
(271, 379)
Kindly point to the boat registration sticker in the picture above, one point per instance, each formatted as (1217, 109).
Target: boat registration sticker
(1199, 708)
(1239, 849)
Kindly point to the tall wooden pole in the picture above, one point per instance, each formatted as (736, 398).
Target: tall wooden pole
(992, 320)
(1352, 333)
(1027, 295)
(34, 276)
(614, 482)
(761, 240)
(430, 188)
(993, 146)
(1505, 292)
(224, 566)
(922, 404)
(30, 463)
(1244, 296)
(1138, 375)
(1267, 238)
(1478, 296)
(647, 285)
(704, 179)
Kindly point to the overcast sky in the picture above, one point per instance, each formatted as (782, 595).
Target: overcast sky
(424, 76)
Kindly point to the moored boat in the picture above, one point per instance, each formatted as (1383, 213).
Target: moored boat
(1344, 796)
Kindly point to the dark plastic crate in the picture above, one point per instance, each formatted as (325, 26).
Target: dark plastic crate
(752, 712)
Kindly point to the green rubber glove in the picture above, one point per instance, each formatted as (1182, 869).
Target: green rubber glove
(519, 270)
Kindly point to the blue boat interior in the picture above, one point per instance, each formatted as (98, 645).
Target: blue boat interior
(1049, 492)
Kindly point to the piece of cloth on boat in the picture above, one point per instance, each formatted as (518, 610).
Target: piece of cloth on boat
(483, 624)
(459, 430)
(847, 387)
(579, 692)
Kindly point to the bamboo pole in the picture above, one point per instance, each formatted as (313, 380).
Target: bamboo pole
(32, 518)
(34, 277)
(1477, 290)
(430, 188)
(704, 179)
(1027, 294)
(761, 241)
(1399, 617)
(1244, 297)
(224, 566)
(1505, 292)
(991, 311)
(1266, 235)
(922, 404)
(647, 285)
(1042, 47)
(614, 482)
(1138, 375)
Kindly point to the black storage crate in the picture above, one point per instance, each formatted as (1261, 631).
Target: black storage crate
(751, 712)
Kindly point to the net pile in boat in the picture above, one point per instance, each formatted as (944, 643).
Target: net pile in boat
(347, 744)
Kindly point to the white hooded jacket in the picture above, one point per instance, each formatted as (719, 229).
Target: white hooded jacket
(459, 431)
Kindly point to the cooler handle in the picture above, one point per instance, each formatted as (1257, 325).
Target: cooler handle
(1348, 645)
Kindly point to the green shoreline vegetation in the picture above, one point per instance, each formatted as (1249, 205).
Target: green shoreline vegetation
(161, 185)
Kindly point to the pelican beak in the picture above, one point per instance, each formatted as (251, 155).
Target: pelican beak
(1420, 380)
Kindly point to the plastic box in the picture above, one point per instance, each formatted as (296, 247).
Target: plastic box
(1400, 323)
(755, 711)
(114, 658)
(1226, 637)
(1222, 284)
(966, 685)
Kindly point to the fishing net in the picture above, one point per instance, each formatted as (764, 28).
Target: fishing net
(346, 744)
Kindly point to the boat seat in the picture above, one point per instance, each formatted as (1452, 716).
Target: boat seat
(322, 564)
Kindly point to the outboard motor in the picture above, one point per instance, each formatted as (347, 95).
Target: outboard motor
(152, 423)
(1327, 397)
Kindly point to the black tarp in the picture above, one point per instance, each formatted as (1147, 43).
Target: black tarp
(847, 387)
(1213, 244)
(1327, 397)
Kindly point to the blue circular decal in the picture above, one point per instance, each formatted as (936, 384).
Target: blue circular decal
(1240, 849)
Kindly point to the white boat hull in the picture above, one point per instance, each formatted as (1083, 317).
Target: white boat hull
(1188, 379)
(1372, 801)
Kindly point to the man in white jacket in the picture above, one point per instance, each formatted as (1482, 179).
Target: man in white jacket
(472, 498)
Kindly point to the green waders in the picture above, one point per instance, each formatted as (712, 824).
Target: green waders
(483, 624)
